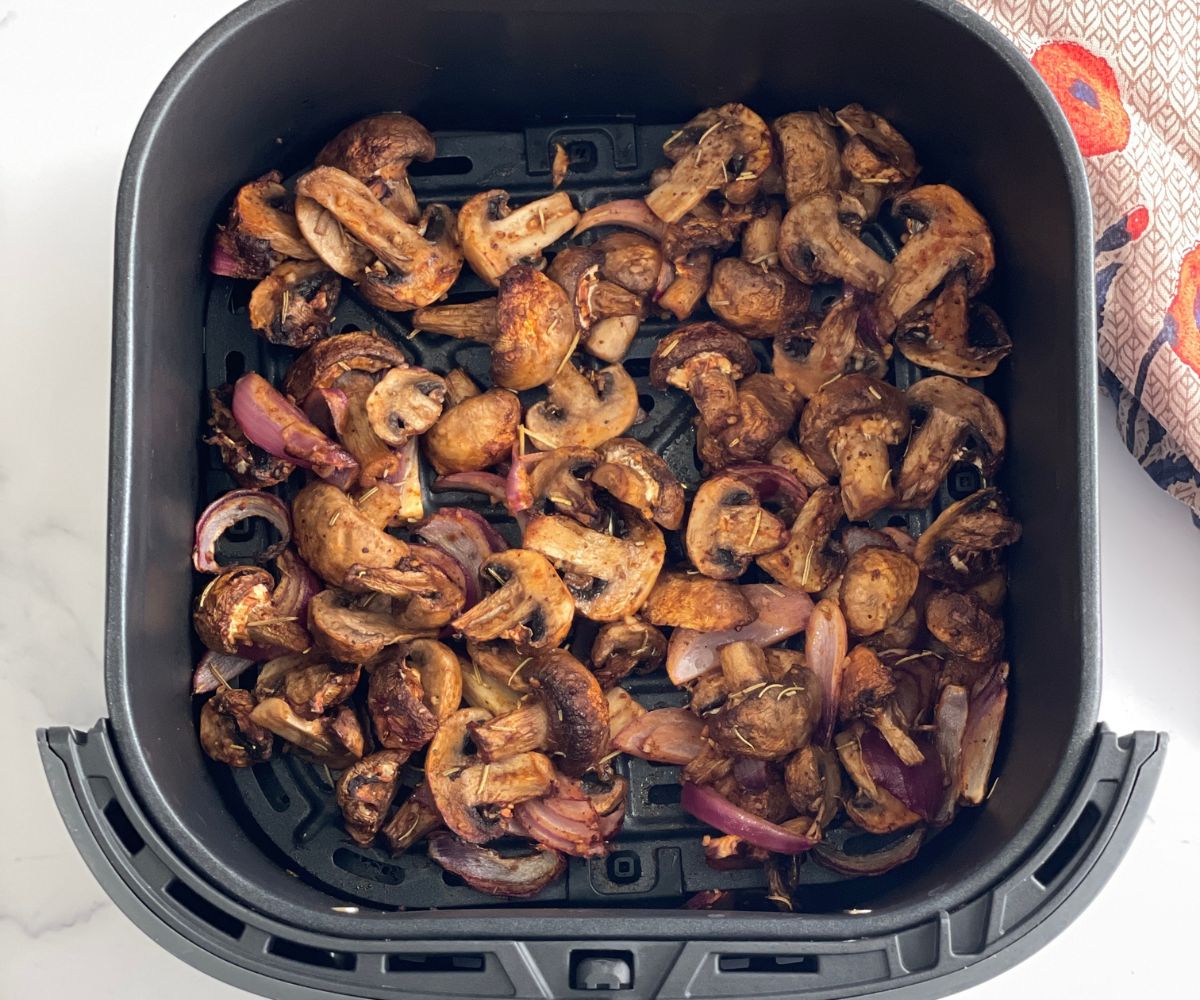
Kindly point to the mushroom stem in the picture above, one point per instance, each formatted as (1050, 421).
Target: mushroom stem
(528, 728)
(491, 617)
(866, 471)
(930, 454)
(692, 274)
(715, 395)
(609, 338)
(517, 778)
(463, 320)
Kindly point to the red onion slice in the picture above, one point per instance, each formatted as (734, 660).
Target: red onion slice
(233, 508)
(984, 718)
(666, 275)
(918, 786)
(487, 483)
(611, 822)
(326, 408)
(281, 429)
(772, 483)
(467, 537)
(718, 812)
(665, 735)
(782, 613)
(629, 213)
(568, 825)
(518, 490)
(825, 652)
(215, 668)
(751, 774)
(950, 718)
(875, 862)
(296, 587)
(488, 871)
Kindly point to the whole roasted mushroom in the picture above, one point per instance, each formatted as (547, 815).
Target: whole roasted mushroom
(366, 790)
(846, 428)
(965, 625)
(621, 648)
(877, 586)
(964, 544)
(728, 527)
(960, 423)
(228, 734)
(875, 155)
(475, 433)
(843, 344)
(706, 361)
(531, 605)
(950, 334)
(293, 305)
(809, 155)
(583, 408)
(639, 477)
(700, 603)
(260, 232)
(495, 237)
(819, 240)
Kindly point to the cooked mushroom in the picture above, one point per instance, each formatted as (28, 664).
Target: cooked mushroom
(293, 305)
(497, 874)
(965, 625)
(697, 602)
(595, 299)
(440, 673)
(404, 403)
(841, 345)
(416, 817)
(236, 614)
(876, 155)
(812, 557)
(706, 361)
(813, 781)
(846, 428)
(308, 683)
(767, 408)
(535, 326)
(429, 583)
(328, 360)
(494, 237)
(351, 632)
(365, 793)
(413, 266)
(625, 647)
(334, 536)
(250, 465)
(960, 423)
(809, 155)
(336, 248)
(691, 274)
(584, 408)
(377, 460)
(475, 433)
(728, 527)
(964, 543)
(762, 719)
(227, 732)
(949, 334)
(948, 235)
(639, 477)
(531, 606)
(467, 790)
(873, 808)
(877, 586)
(867, 691)
(396, 703)
(482, 690)
(377, 151)
(335, 740)
(561, 480)
(631, 260)
(608, 575)
(260, 232)
(727, 147)
(819, 241)
(787, 455)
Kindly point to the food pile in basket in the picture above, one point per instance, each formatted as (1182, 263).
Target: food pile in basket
(843, 677)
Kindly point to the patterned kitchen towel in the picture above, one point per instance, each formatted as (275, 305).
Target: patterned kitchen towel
(1127, 75)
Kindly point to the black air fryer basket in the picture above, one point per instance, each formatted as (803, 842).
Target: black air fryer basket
(247, 874)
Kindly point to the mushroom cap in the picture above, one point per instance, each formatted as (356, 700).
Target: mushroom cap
(697, 602)
(584, 408)
(563, 479)
(366, 790)
(620, 648)
(964, 543)
(728, 527)
(638, 476)
(576, 707)
(631, 260)
(377, 151)
(332, 534)
(756, 301)
(878, 408)
(536, 327)
(478, 432)
(812, 557)
(965, 625)
(530, 606)
(875, 153)
(334, 740)
(494, 236)
(841, 344)
(351, 633)
(949, 334)
(958, 400)
(877, 586)
(228, 605)
(576, 270)
(227, 733)
(293, 305)
(669, 362)
(809, 157)
(327, 360)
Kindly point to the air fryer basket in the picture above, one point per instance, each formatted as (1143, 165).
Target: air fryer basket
(247, 874)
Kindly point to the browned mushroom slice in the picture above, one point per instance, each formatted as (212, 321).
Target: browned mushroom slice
(727, 147)
(466, 789)
(841, 345)
(260, 232)
(330, 359)
(873, 808)
(691, 274)
(236, 613)
(949, 334)
(429, 583)
(809, 156)
(377, 460)
(706, 361)
(353, 629)
(462, 320)
(697, 602)
(501, 660)
(728, 527)
(366, 790)
(561, 480)
(819, 240)
(812, 557)
(639, 477)
(622, 648)
(495, 237)
(333, 535)
(846, 428)
(584, 408)
(404, 403)
(877, 586)
(867, 690)
(766, 409)
(761, 719)
(440, 673)
(478, 432)
(531, 605)
(576, 270)
(875, 154)
(960, 423)
(965, 625)
(991, 590)
(788, 455)
(965, 542)
(416, 817)
(335, 740)
(496, 874)
(947, 234)
(395, 701)
(227, 732)
(336, 248)
(631, 260)
(608, 575)
(293, 305)
(482, 690)
(310, 686)
(377, 151)
(249, 465)
(813, 781)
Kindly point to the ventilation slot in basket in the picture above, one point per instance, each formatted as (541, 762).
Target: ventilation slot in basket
(199, 907)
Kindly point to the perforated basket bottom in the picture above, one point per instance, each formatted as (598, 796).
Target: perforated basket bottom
(287, 805)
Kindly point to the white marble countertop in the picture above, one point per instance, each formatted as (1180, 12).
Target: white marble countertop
(74, 78)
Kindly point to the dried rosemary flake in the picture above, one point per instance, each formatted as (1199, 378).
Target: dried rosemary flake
(411, 827)
(747, 175)
(520, 666)
(483, 777)
(773, 590)
(539, 440)
(333, 520)
(738, 733)
(367, 496)
(807, 563)
(567, 357)
(754, 687)
(224, 683)
(608, 756)
(767, 688)
(757, 524)
(874, 392)
(495, 575)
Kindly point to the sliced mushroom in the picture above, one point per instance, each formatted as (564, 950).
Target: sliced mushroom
(336, 248)
(584, 408)
(429, 583)
(328, 360)
(846, 428)
(335, 740)
(813, 781)
(416, 817)
(809, 155)
(494, 237)
(706, 361)
(949, 334)
(812, 557)
(877, 586)
(351, 632)
(876, 155)
(964, 544)
(481, 690)
(365, 793)
(966, 626)
(767, 408)
(377, 151)
(639, 477)
(622, 648)
(608, 575)
(497, 874)
(501, 660)
(841, 345)
(404, 403)
(333, 535)
(475, 433)
(395, 701)
(867, 692)
(531, 606)
(440, 673)
(562, 480)
(377, 460)
(787, 455)
(819, 241)
(697, 602)
(728, 527)
(236, 613)
(631, 260)
(293, 305)
(309, 685)
(525, 728)
(690, 277)
(260, 232)
(947, 235)
(960, 423)
(227, 732)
